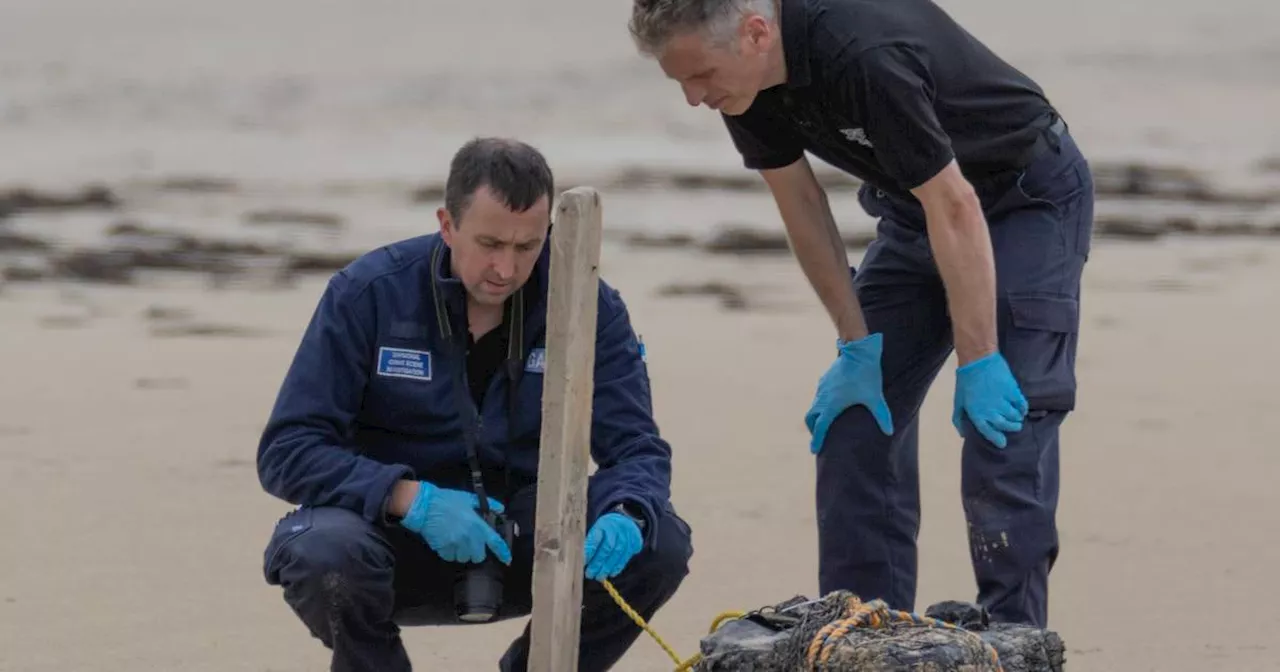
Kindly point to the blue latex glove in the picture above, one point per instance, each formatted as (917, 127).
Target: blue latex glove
(854, 378)
(987, 392)
(610, 545)
(448, 520)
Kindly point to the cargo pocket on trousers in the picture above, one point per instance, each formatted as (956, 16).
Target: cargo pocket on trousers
(293, 525)
(1039, 342)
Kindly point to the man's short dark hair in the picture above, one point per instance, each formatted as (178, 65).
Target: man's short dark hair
(515, 172)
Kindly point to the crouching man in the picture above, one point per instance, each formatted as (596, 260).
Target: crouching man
(407, 427)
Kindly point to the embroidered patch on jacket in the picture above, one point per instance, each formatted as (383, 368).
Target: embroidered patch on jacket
(537, 361)
(402, 363)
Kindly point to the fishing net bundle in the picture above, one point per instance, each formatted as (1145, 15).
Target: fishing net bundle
(841, 633)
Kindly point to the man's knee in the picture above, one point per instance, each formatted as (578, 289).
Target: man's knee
(1014, 477)
(669, 559)
(856, 445)
(1038, 336)
(328, 553)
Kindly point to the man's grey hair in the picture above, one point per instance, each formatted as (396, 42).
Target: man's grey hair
(653, 22)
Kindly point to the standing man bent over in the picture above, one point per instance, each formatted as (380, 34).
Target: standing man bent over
(985, 209)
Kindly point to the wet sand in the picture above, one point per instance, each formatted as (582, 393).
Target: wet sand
(135, 524)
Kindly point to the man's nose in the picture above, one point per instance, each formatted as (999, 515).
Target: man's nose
(693, 94)
(504, 263)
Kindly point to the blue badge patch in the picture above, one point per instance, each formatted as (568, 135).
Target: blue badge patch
(401, 363)
(537, 362)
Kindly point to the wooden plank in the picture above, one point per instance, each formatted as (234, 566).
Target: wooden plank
(568, 385)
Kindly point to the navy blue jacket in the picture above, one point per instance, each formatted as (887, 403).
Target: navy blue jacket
(376, 394)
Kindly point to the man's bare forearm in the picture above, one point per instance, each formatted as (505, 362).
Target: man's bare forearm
(962, 249)
(817, 246)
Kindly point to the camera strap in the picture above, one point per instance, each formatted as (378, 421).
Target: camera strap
(515, 368)
(513, 317)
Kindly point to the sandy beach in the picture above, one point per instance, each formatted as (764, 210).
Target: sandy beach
(135, 525)
(181, 177)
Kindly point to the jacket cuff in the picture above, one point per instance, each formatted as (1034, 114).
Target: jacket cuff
(640, 511)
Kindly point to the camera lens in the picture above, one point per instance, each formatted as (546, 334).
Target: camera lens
(477, 596)
(478, 593)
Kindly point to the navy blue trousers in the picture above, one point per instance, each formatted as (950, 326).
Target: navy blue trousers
(868, 499)
(355, 584)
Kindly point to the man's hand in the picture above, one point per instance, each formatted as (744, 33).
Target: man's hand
(853, 379)
(610, 544)
(987, 392)
(448, 521)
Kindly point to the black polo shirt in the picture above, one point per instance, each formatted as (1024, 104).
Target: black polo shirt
(486, 355)
(890, 91)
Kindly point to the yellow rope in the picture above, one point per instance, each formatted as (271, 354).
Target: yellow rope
(875, 614)
(681, 665)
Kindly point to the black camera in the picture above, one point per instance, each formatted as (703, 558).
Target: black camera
(477, 596)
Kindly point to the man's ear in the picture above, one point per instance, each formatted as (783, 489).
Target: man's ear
(757, 32)
(446, 225)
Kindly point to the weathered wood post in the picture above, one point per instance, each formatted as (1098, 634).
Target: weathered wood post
(568, 384)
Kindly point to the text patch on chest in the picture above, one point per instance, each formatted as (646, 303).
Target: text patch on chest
(402, 363)
(537, 362)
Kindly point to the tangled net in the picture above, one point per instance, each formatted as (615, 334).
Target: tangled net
(841, 633)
